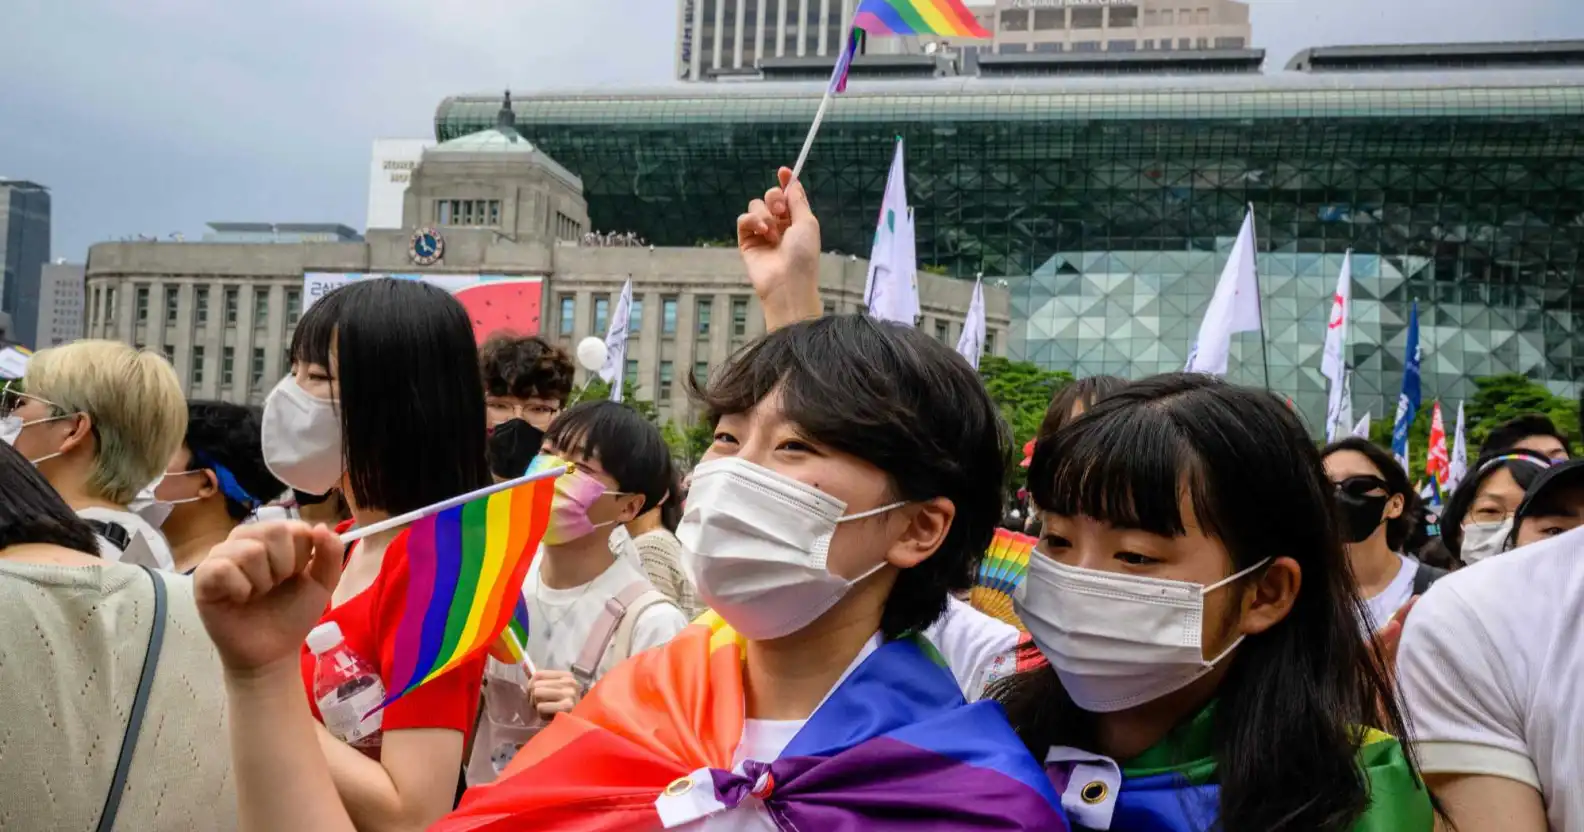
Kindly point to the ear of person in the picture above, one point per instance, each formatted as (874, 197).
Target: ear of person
(263, 589)
(1271, 596)
(927, 525)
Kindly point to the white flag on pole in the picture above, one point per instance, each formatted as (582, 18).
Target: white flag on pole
(971, 344)
(1333, 361)
(1344, 416)
(1458, 467)
(891, 290)
(1362, 429)
(616, 343)
(1234, 308)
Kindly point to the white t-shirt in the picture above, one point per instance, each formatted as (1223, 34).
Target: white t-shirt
(147, 546)
(976, 647)
(1391, 599)
(1492, 670)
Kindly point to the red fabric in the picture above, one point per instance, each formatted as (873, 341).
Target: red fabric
(369, 622)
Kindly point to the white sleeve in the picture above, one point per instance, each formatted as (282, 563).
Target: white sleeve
(971, 643)
(1458, 690)
(655, 626)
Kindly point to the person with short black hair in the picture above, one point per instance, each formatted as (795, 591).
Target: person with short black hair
(1377, 509)
(1552, 506)
(1479, 518)
(650, 539)
(215, 481)
(525, 377)
(1530, 432)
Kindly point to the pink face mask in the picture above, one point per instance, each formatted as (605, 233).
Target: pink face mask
(575, 493)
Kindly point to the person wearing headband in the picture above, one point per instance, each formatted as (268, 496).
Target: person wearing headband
(215, 481)
(1479, 517)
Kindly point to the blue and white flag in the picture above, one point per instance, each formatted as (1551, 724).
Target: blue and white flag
(1408, 400)
(616, 343)
(891, 290)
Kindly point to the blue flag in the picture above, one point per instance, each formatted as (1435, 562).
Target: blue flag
(1408, 400)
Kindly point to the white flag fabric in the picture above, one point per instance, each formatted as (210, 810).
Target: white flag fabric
(1458, 467)
(891, 290)
(1234, 308)
(1333, 361)
(1344, 413)
(616, 343)
(971, 344)
(1362, 429)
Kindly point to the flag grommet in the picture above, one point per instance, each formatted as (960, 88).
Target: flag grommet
(679, 787)
(1094, 792)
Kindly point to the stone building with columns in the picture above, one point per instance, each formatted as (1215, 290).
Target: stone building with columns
(487, 204)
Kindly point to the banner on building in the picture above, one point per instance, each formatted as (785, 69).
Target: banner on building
(495, 302)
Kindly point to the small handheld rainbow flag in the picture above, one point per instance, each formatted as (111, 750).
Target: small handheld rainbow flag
(514, 639)
(468, 563)
(1002, 570)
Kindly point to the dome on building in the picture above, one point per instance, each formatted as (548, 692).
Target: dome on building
(502, 138)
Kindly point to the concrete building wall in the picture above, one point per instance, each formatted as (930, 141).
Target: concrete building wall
(24, 249)
(1117, 26)
(62, 304)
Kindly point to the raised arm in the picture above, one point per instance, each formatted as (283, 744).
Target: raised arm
(779, 238)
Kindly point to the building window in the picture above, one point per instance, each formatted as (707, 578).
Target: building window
(1015, 20)
(635, 317)
(1124, 16)
(668, 316)
(1148, 45)
(1048, 46)
(632, 371)
(142, 303)
(1152, 17)
(1230, 43)
(256, 373)
(701, 372)
(1202, 43)
(942, 331)
(475, 212)
(830, 309)
(601, 313)
(739, 316)
(1202, 17)
(172, 304)
(1121, 46)
(989, 346)
(1185, 43)
(197, 366)
(705, 307)
(1013, 48)
(1087, 46)
(110, 305)
(1167, 17)
(260, 307)
(170, 352)
(1050, 19)
(568, 314)
(1092, 17)
(201, 306)
(227, 365)
(231, 306)
(293, 307)
(665, 381)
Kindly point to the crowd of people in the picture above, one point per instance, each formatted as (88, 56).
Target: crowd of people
(1224, 626)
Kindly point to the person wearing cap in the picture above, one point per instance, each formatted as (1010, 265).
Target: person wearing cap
(215, 481)
(1554, 505)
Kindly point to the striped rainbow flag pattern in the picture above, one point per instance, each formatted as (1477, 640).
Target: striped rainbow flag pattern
(1002, 570)
(510, 650)
(467, 567)
(946, 18)
(893, 748)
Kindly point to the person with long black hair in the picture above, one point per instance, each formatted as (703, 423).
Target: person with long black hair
(385, 404)
(1192, 597)
(1480, 516)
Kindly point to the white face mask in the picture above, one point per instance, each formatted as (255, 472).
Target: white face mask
(302, 439)
(11, 430)
(1117, 641)
(756, 543)
(152, 509)
(1481, 540)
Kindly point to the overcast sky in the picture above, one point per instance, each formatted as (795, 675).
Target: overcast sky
(156, 116)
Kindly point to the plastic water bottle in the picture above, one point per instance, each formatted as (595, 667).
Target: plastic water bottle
(346, 686)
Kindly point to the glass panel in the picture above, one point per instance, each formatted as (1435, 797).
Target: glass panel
(635, 318)
(227, 365)
(142, 301)
(197, 373)
(293, 307)
(201, 306)
(704, 309)
(668, 316)
(739, 316)
(256, 376)
(230, 306)
(601, 314)
(172, 300)
(568, 315)
(260, 307)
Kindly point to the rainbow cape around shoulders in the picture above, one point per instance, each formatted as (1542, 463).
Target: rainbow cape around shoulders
(894, 747)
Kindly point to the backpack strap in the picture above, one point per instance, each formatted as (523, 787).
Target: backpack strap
(1426, 576)
(117, 534)
(586, 668)
(129, 740)
(623, 642)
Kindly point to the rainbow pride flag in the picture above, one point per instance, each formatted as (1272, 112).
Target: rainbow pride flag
(1002, 570)
(894, 747)
(514, 639)
(468, 564)
(946, 18)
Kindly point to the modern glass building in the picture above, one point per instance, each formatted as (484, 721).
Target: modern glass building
(1108, 204)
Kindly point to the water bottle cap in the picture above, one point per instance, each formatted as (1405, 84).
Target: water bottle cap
(324, 638)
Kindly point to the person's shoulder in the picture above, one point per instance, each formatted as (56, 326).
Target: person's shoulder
(1546, 576)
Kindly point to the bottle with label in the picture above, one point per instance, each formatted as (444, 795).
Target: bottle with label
(347, 687)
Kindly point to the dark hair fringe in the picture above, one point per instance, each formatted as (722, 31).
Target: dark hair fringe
(525, 367)
(626, 444)
(1463, 498)
(1086, 391)
(1509, 433)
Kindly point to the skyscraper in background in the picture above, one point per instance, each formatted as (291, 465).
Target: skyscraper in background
(24, 249)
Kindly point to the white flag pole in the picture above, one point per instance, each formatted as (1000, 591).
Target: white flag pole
(808, 143)
(414, 516)
(527, 663)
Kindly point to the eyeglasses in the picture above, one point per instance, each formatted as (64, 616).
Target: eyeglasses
(11, 399)
(1362, 485)
(508, 410)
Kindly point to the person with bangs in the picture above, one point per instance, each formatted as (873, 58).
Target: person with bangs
(854, 481)
(1480, 517)
(1196, 608)
(384, 404)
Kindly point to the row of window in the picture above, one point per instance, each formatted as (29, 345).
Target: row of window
(195, 373)
(474, 212)
(1165, 44)
(230, 300)
(704, 310)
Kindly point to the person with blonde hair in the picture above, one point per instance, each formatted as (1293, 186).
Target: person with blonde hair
(101, 420)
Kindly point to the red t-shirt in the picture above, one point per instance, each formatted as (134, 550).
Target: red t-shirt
(369, 622)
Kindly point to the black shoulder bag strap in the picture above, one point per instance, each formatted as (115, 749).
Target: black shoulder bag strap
(112, 804)
(1426, 576)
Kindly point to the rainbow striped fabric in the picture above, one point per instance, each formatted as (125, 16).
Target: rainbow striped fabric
(894, 747)
(1002, 570)
(946, 18)
(514, 639)
(468, 565)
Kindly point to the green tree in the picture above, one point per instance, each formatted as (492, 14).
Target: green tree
(1505, 397)
(598, 390)
(688, 444)
(1022, 392)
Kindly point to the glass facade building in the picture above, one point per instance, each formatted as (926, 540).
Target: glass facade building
(1108, 205)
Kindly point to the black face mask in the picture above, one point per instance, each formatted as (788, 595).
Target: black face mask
(512, 445)
(1361, 515)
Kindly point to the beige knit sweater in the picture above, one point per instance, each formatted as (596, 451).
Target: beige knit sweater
(72, 642)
